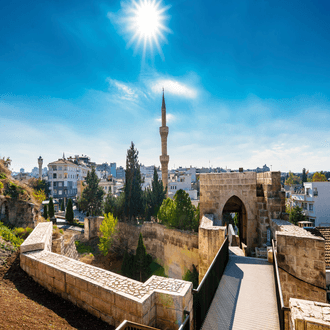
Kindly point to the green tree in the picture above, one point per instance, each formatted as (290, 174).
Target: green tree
(127, 265)
(62, 205)
(115, 205)
(319, 177)
(304, 175)
(166, 212)
(296, 214)
(133, 206)
(51, 211)
(45, 211)
(39, 195)
(38, 184)
(292, 179)
(108, 229)
(158, 193)
(142, 261)
(69, 215)
(92, 196)
(179, 213)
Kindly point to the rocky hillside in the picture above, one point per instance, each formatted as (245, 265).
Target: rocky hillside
(18, 205)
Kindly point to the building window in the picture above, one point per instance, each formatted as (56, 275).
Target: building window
(311, 207)
(65, 175)
(304, 206)
(55, 192)
(315, 192)
(60, 184)
(307, 191)
(60, 176)
(54, 184)
(60, 168)
(60, 192)
(54, 176)
(65, 168)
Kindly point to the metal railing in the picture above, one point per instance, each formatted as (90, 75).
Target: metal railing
(128, 325)
(279, 296)
(186, 323)
(203, 295)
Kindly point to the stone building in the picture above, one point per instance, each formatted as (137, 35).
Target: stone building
(256, 197)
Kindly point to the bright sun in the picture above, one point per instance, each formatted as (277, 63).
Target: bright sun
(146, 22)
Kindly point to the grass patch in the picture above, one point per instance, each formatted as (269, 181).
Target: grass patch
(83, 248)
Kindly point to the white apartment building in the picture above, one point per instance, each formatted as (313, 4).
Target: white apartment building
(181, 182)
(315, 202)
(63, 176)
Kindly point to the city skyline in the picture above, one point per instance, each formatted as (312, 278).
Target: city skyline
(246, 83)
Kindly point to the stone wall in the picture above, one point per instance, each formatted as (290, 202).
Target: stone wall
(18, 213)
(176, 250)
(308, 315)
(210, 239)
(300, 257)
(58, 245)
(260, 193)
(159, 302)
(70, 249)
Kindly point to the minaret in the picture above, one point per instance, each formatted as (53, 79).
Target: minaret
(164, 158)
(40, 160)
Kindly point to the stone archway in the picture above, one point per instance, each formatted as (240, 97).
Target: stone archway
(235, 204)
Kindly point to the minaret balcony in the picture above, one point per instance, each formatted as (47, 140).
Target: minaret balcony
(163, 130)
(164, 158)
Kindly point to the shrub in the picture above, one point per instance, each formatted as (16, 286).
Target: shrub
(107, 228)
(82, 248)
(8, 235)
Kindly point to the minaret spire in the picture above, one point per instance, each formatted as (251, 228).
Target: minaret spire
(164, 158)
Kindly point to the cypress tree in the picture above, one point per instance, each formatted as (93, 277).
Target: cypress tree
(62, 205)
(69, 216)
(45, 211)
(141, 263)
(133, 205)
(51, 212)
(92, 196)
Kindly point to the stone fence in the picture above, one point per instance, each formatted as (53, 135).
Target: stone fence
(159, 302)
(301, 262)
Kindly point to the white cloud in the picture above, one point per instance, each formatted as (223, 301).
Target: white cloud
(169, 118)
(173, 87)
(125, 92)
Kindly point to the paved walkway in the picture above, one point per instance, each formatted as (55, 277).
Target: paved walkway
(245, 298)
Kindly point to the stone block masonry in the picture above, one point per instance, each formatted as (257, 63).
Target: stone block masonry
(309, 315)
(159, 302)
(301, 262)
(176, 250)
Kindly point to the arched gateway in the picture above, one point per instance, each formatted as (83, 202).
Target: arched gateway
(235, 205)
(257, 197)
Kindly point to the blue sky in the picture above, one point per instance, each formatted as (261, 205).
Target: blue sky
(246, 83)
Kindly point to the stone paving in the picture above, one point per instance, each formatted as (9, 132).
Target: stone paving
(245, 298)
(107, 279)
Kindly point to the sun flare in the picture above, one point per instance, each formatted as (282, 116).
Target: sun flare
(146, 20)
